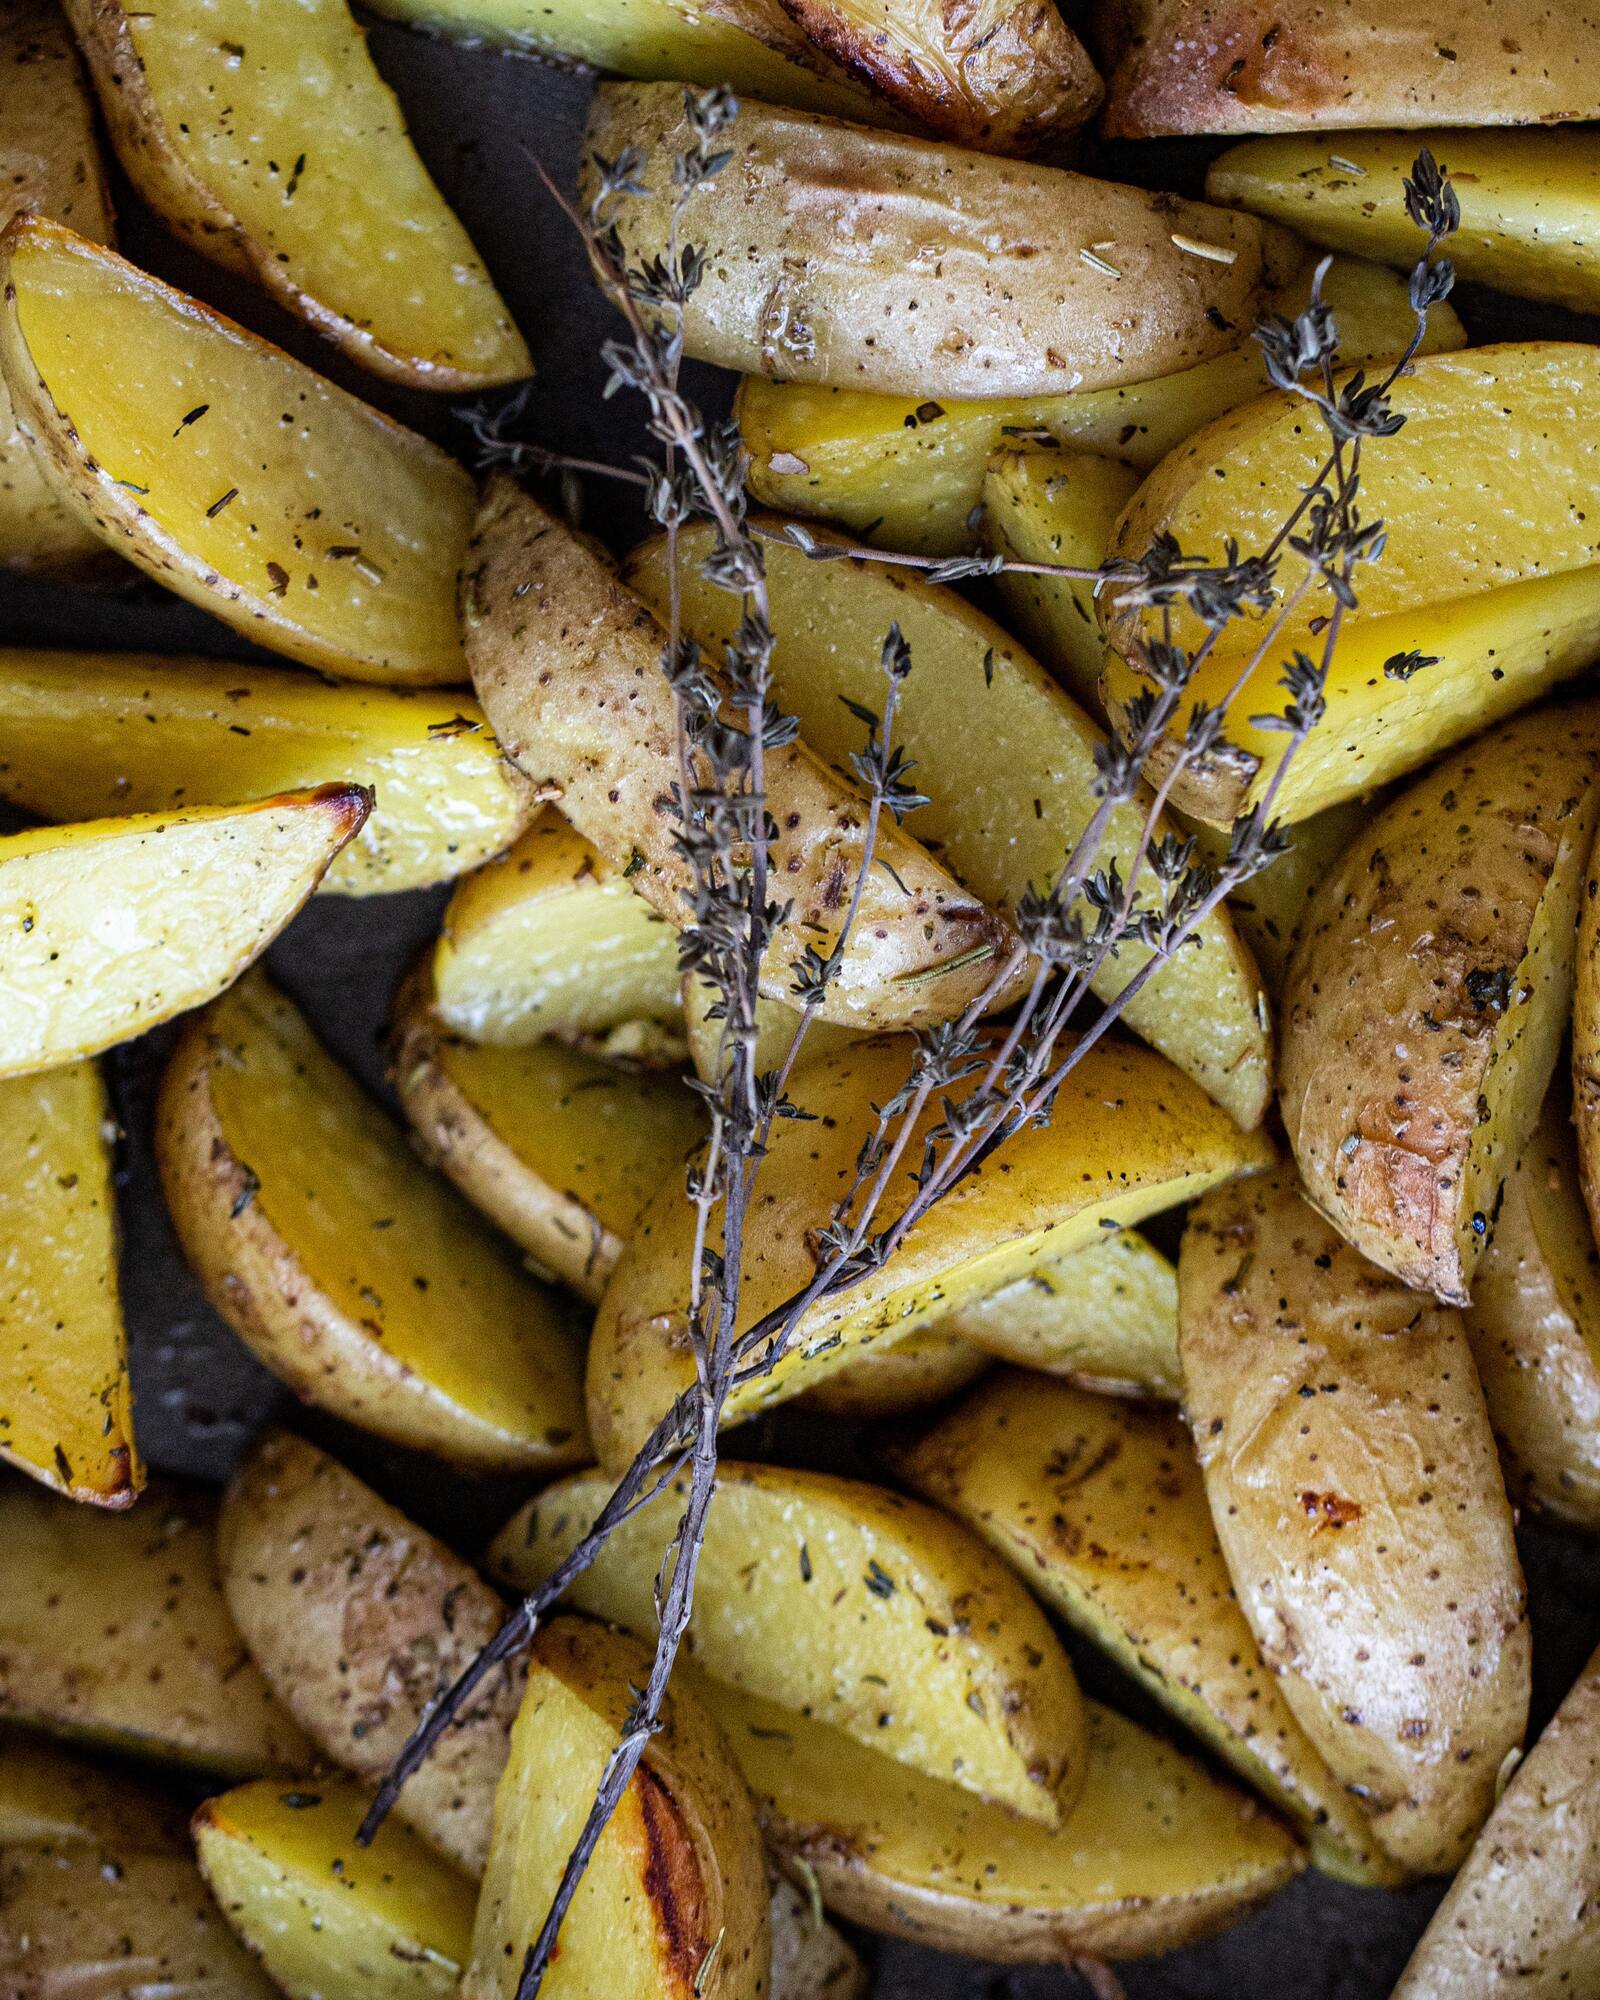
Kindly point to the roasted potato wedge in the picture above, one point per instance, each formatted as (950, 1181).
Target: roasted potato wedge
(550, 941)
(66, 1410)
(776, 1027)
(810, 1960)
(113, 1627)
(1534, 1324)
(1488, 572)
(88, 733)
(355, 1274)
(164, 421)
(1586, 1039)
(290, 162)
(50, 1798)
(323, 1914)
(907, 471)
(675, 1901)
(196, 897)
(925, 1367)
(838, 230)
(1130, 1136)
(560, 1149)
(1100, 1507)
(357, 1618)
(1521, 1915)
(1156, 1853)
(1353, 1481)
(848, 1603)
(1006, 759)
(1426, 998)
(49, 162)
(1178, 66)
(567, 663)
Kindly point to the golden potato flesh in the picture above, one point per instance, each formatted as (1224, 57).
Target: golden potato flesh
(1353, 1480)
(777, 1025)
(334, 538)
(51, 1798)
(869, 261)
(842, 1601)
(1100, 1507)
(88, 733)
(268, 140)
(110, 926)
(349, 1269)
(1427, 996)
(924, 1368)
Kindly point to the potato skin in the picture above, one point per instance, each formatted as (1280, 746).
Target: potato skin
(1354, 1484)
(1425, 999)
(859, 258)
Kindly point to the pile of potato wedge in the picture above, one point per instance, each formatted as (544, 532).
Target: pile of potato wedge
(1255, 1473)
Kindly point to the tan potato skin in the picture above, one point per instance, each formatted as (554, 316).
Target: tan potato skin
(1522, 1916)
(1424, 998)
(567, 664)
(858, 258)
(358, 1619)
(1353, 1480)
(1586, 1038)
(1256, 66)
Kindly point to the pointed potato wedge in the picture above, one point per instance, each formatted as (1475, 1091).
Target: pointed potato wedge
(567, 663)
(560, 1149)
(1130, 1136)
(841, 1600)
(357, 1619)
(1100, 1507)
(268, 141)
(675, 1902)
(354, 1273)
(1357, 1496)
(859, 258)
(66, 1409)
(334, 538)
(925, 1367)
(113, 1628)
(51, 1798)
(323, 1914)
(1007, 760)
(1429, 990)
(110, 926)
(1156, 1853)
(89, 733)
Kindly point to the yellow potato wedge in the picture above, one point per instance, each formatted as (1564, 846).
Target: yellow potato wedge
(1534, 1324)
(1521, 1916)
(1352, 1477)
(1156, 1853)
(860, 258)
(50, 1798)
(848, 1603)
(110, 926)
(1130, 1136)
(88, 733)
(810, 1960)
(1426, 998)
(776, 1027)
(1489, 571)
(675, 1900)
(117, 1925)
(354, 1273)
(49, 162)
(1100, 1507)
(1105, 1317)
(549, 941)
(268, 142)
(66, 1410)
(1530, 202)
(567, 663)
(1007, 760)
(1177, 66)
(113, 1628)
(906, 472)
(323, 1914)
(358, 1618)
(925, 1367)
(334, 538)
(560, 1149)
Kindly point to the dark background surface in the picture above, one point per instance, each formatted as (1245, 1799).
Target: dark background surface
(479, 118)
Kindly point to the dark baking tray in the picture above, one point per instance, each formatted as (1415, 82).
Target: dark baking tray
(480, 119)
